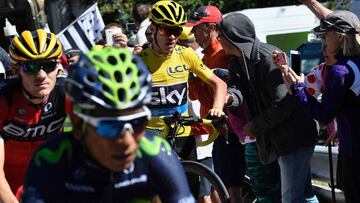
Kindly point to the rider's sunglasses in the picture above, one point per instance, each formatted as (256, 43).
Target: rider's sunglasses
(34, 67)
(168, 31)
(111, 127)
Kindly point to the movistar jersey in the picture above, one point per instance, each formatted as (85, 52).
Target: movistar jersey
(61, 171)
(170, 80)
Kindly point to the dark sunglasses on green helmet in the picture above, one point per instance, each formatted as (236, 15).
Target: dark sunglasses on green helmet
(34, 67)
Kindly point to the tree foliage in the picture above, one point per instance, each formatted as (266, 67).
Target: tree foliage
(120, 10)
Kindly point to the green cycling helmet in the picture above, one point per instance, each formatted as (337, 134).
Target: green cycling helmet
(112, 78)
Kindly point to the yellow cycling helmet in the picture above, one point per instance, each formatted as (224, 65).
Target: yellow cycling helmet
(168, 13)
(35, 46)
(186, 34)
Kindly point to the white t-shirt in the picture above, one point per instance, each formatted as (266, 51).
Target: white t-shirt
(140, 35)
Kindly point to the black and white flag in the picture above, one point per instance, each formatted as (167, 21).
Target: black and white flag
(84, 31)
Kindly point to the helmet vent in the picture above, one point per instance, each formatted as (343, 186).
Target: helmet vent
(156, 14)
(88, 90)
(122, 56)
(165, 11)
(106, 89)
(112, 60)
(128, 71)
(98, 58)
(133, 85)
(108, 101)
(104, 74)
(118, 76)
(91, 79)
(168, 22)
(135, 96)
(121, 94)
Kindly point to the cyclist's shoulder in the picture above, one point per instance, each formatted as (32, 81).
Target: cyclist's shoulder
(184, 51)
(7, 90)
(147, 53)
(9, 85)
(61, 147)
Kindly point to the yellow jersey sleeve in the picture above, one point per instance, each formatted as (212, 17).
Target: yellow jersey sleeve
(196, 65)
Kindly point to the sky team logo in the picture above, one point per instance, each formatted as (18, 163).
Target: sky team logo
(178, 72)
(168, 96)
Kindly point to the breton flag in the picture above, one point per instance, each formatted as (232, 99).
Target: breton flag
(84, 31)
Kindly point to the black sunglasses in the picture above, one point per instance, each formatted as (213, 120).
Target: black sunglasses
(34, 67)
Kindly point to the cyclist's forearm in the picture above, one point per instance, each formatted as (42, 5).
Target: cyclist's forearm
(220, 94)
(6, 195)
(317, 8)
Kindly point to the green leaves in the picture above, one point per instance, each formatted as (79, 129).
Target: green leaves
(120, 10)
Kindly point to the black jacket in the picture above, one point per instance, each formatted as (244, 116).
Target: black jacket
(279, 121)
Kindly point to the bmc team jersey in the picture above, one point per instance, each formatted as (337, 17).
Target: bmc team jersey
(62, 171)
(170, 75)
(24, 126)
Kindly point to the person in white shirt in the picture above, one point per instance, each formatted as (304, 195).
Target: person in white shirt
(140, 14)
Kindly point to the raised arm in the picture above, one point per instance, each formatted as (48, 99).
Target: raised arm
(317, 8)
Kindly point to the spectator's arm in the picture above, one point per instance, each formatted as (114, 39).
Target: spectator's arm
(6, 194)
(236, 95)
(317, 8)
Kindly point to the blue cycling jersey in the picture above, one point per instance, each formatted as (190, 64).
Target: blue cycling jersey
(61, 171)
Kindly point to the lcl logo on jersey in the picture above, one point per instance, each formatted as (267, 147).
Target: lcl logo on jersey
(169, 96)
(174, 71)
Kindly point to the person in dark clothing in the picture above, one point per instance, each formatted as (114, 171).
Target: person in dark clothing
(5, 60)
(284, 131)
(341, 93)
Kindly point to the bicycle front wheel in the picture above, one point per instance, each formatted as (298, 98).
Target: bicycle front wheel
(203, 171)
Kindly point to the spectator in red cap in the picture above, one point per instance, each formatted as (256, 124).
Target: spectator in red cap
(228, 159)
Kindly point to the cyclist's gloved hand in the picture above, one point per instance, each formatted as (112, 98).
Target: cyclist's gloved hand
(216, 112)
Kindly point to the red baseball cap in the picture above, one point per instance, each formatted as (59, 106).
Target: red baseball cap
(204, 14)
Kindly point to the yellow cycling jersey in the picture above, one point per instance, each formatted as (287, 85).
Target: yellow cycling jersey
(170, 75)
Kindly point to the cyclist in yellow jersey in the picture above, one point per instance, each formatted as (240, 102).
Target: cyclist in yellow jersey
(171, 64)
